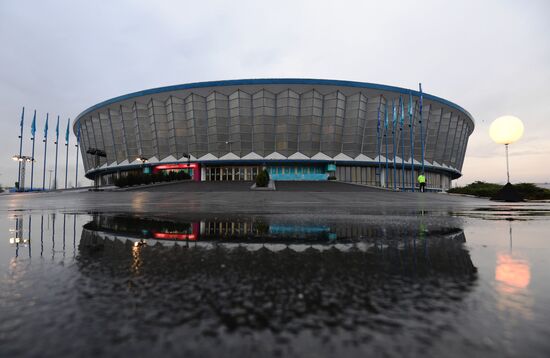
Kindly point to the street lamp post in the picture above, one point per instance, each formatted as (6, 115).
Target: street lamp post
(22, 159)
(506, 130)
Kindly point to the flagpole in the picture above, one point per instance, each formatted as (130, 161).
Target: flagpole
(402, 136)
(378, 141)
(411, 127)
(386, 141)
(421, 128)
(394, 119)
(56, 151)
(33, 129)
(67, 153)
(402, 139)
(45, 151)
(20, 148)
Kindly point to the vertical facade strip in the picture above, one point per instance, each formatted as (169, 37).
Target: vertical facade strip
(137, 129)
(109, 153)
(113, 135)
(437, 134)
(460, 143)
(170, 117)
(154, 127)
(446, 142)
(459, 130)
(125, 132)
(451, 143)
(86, 144)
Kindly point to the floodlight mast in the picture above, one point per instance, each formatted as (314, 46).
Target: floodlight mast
(507, 165)
(22, 159)
(506, 130)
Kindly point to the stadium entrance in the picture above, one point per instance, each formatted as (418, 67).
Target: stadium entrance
(247, 173)
(193, 169)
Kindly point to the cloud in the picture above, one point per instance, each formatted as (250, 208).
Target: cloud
(490, 57)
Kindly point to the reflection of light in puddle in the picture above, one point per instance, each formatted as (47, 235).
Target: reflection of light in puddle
(513, 273)
(513, 276)
(136, 257)
(138, 201)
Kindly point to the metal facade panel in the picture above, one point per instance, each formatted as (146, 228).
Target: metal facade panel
(296, 119)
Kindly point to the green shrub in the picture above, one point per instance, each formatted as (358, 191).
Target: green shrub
(121, 181)
(530, 191)
(132, 179)
(479, 188)
(262, 179)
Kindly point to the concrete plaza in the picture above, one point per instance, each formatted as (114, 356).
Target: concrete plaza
(235, 197)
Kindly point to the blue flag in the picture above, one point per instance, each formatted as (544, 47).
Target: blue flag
(386, 116)
(394, 113)
(22, 119)
(46, 126)
(402, 119)
(67, 132)
(33, 124)
(57, 130)
(410, 104)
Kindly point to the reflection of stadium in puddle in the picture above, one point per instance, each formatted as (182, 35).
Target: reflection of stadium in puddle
(285, 281)
(263, 273)
(274, 233)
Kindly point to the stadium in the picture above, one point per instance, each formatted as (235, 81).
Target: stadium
(297, 129)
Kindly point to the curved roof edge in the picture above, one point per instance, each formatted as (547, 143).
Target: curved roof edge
(271, 81)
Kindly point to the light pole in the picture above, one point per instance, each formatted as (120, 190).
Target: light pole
(506, 130)
(22, 159)
(229, 143)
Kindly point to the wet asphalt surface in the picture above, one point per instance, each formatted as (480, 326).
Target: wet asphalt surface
(207, 198)
(310, 270)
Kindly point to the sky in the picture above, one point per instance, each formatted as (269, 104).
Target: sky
(490, 57)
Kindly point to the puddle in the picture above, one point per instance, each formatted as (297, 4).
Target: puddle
(429, 283)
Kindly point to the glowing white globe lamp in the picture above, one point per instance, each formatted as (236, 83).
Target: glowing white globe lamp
(506, 130)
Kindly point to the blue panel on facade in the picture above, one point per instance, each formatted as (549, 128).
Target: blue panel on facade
(286, 229)
(295, 176)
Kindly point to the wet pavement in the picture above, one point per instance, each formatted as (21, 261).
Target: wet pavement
(177, 273)
(223, 197)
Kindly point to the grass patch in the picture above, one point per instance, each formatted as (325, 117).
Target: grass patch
(487, 190)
